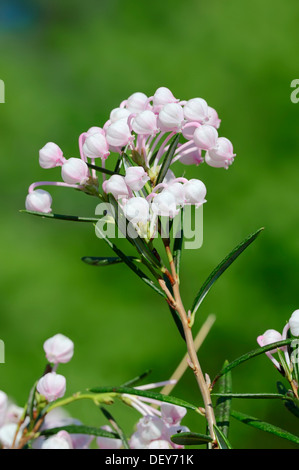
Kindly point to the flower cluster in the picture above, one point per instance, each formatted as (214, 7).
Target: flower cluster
(154, 429)
(139, 133)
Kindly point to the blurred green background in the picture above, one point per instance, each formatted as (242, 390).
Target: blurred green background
(65, 66)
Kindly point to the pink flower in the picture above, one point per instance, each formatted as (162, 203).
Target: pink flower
(39, 201)
(136, 177)
(59, 349)
(75, 170)
(96, 146)
(195, 192)
(118, 134)
(145, 123)
(213, 119)
(137, 102)
(172, 414)
(294, 323)
(52, 386)
(119, 113)
(171, 117)
(165, 204)
(205, 137)
(50, 156)
(116, 185)
(190, 156)
(221, 155)
(161, 97)
(177, 190)
(197, 110)
(270, 336)
(136, 210)
(62, 440)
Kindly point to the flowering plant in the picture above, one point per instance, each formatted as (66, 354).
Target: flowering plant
(142, 200)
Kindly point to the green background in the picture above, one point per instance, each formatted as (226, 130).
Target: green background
(65, 66)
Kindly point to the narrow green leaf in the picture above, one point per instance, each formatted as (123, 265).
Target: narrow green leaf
(115, 426)
(250, 355)
(145, 393)
(225, 263)
(74, 429)
(190, 439)
(102, 170)
(105, 261)
(254, 396)
(137, 379)
(168, 159)
(130, 263)
(73, 218)
(264, 426)
(222, 440)
(223, 404)
(31, 401)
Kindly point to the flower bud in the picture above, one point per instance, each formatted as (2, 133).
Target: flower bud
(171, 117)
(50, 156)
(75, 170)
(137, 102)
(222, 154)
(59, 349)
(172, 414)
(213, 119)
(136, 177)
(145, 123)
(136, 210)
(195, 192)
(163, 96)
(294, 323)
(39, 201)
(52, 386)
(62, 440)
(119, 113)
(95, 130)
(205, 137)
(106, 442)
(96, 146)
(116, 185)
(270, 336)
(197, 110)
(118, 134)
(177, 190)
(190, 157)
(165, 204)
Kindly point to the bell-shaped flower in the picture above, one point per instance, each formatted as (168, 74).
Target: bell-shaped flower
(96, 146)
(222, 154)
(197, 110)
(136, 177)
(95, 130)
(52, 386)
(119, 113)
(145, 123)
(75, 170)
(177, 190)
(150, 428)
(136, 210)
(161, 97)
(294, 323)
(137, 102)
(172, 414)
(190, 156)
(118, 134)
(106, 442)
(171, 118)
(195, 192)
(61, 440)
(39, 201)
(117, 186)
(59, 349)
(165, 204)
(205, 137)
(269, 337)
(50, 156)
(213, 119)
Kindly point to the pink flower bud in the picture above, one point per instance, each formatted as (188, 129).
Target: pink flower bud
(106, 442)
(205, 137)
(165, 204)
(195, 192)
(294, 323)
(62, 440)
(171, 117)
(50, 156)
(39, 201)
(222, 154)
(177, 190)
(95, 130)
(52, 386)
(3, 407)
(172, 414)
(136, 177)
(150, 428)
(213, 119)
(59, 349)
(197, 110)
(270, 336)
(137, 102)
(116, 185)
(145, 123)
(118, 134)
(163, 96)
(75, 170)
(190, 157)
(136, 210)
(188, 130)
(96, 146)
(119, 113)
